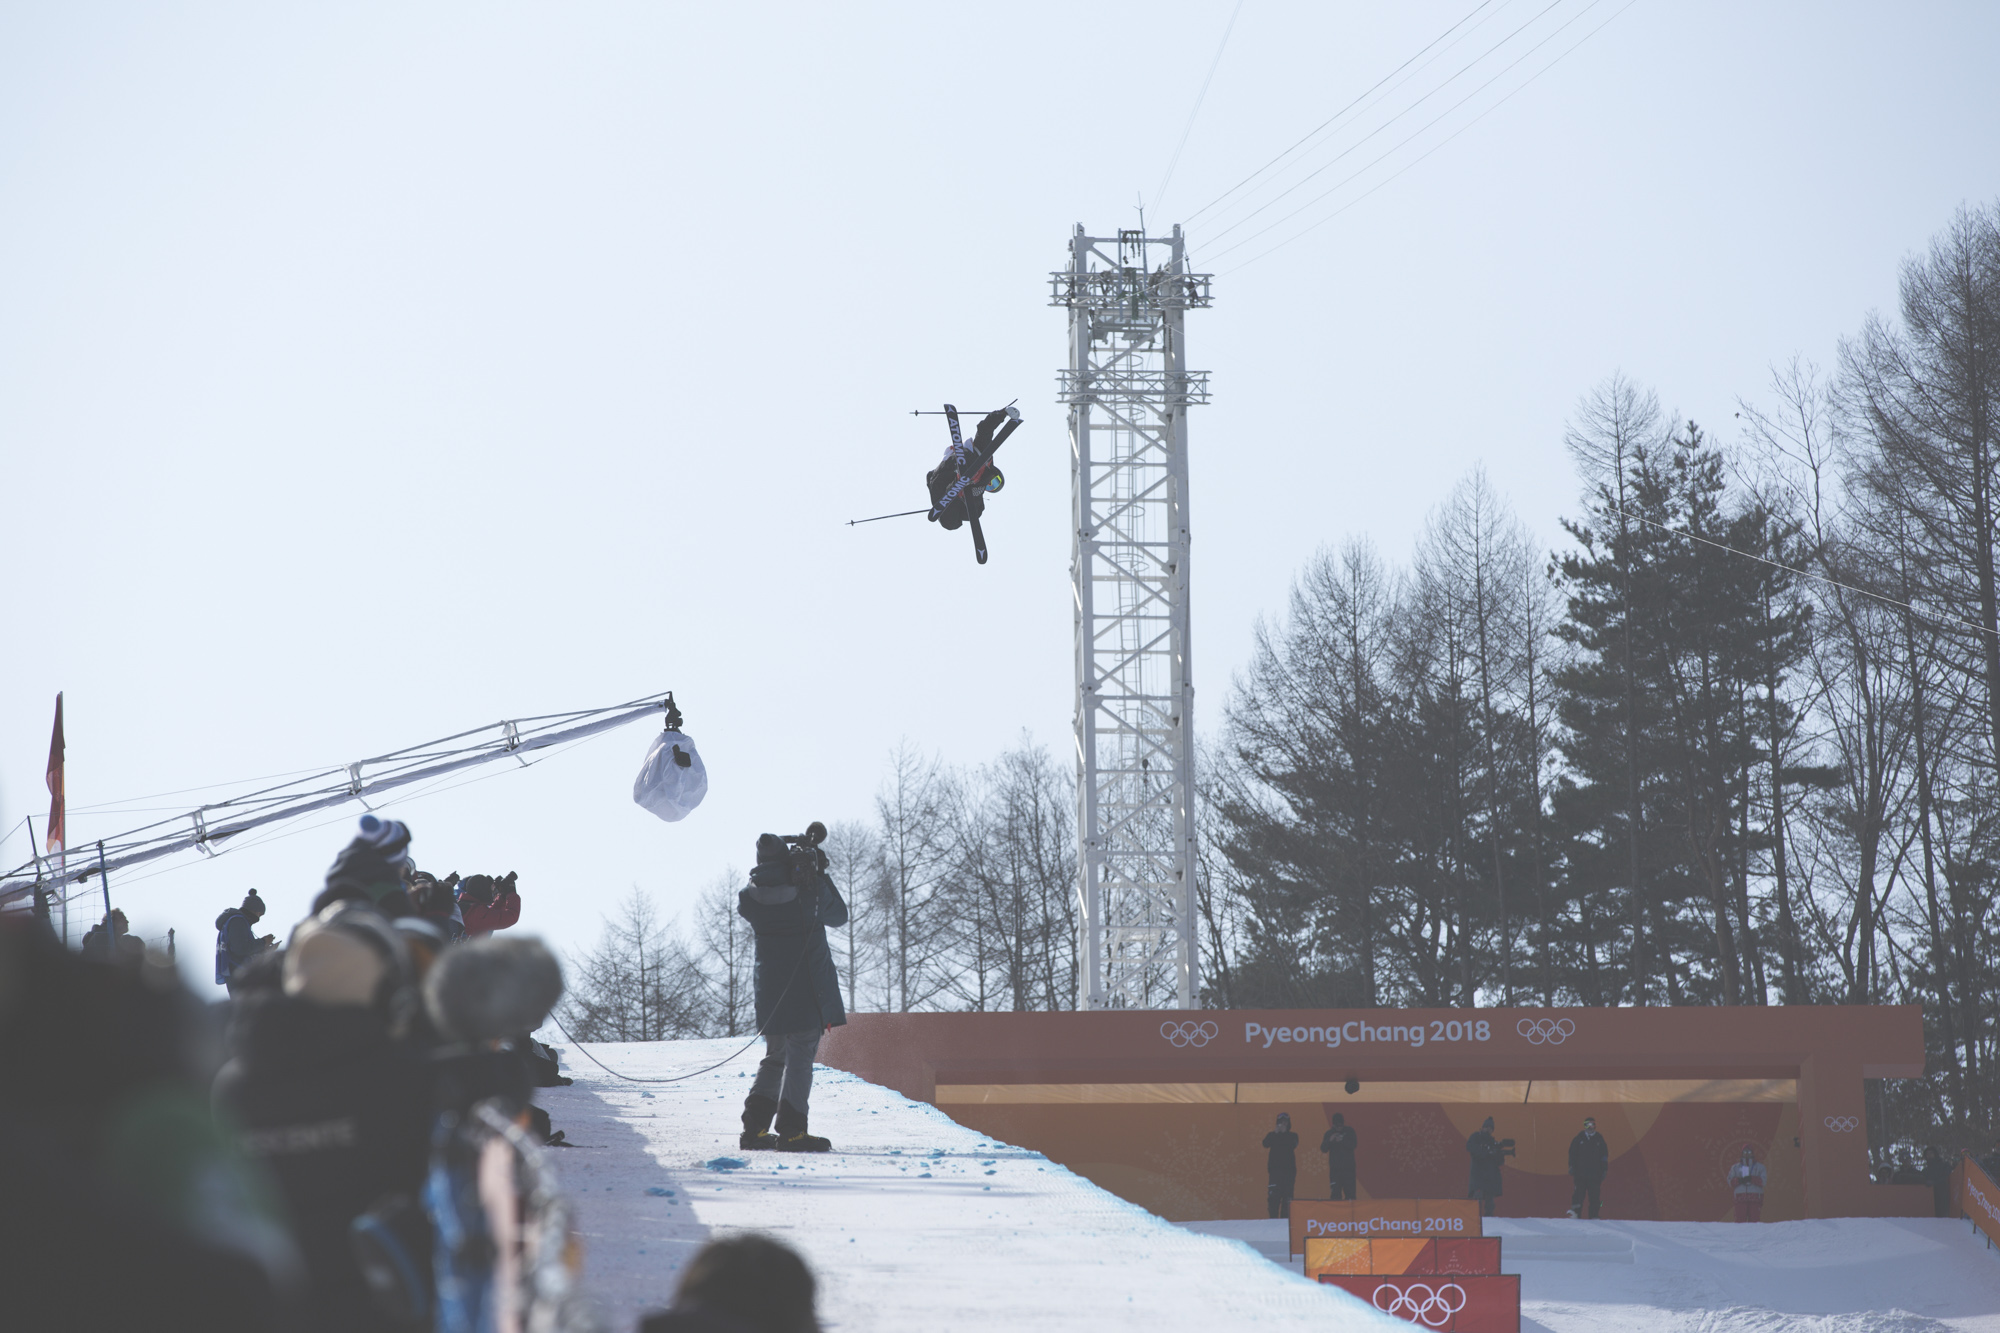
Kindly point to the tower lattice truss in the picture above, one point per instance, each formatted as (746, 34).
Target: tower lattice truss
(1128, 388)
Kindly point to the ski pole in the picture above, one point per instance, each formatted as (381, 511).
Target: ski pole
(879, 517)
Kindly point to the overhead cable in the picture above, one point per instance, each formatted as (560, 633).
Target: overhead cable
(1338, 114)
(1199, 97)
(1311, 227)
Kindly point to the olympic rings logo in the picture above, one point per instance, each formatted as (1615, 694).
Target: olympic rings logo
(1417, 1302)
(1546, 1031)
(1843, 1124)
(1189, 1034)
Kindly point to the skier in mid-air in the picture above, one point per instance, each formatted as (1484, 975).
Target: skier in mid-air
(965, 476)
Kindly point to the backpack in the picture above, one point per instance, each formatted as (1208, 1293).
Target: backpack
(223, 965)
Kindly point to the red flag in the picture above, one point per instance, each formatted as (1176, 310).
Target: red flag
(56, 834)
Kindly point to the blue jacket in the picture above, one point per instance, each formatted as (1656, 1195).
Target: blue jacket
(790, 907)
(235, 942)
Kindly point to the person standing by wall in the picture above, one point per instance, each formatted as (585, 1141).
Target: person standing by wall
(1746, 1178)
(1589, 1161)
(1281, 1165)
(1486, 1153)
(1339, 1143)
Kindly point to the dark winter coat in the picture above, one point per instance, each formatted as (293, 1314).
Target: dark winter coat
(1282, 1161)
(789, 905)
(235, 942)
(1486, 1154)
(1339, 1144)
(1589, 1158)
(337, 1113)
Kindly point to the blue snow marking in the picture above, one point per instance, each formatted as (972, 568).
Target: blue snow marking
(725, 1164)
(657, 1192)
(992, 1173)
(645, 1094)
(925, 1176)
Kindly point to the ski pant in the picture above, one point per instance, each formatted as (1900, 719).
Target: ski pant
(1485, 1203)
(1278, 1196)
(786, 1071)
(1340, 1184)
(1590, 1188)
(1749, 1207)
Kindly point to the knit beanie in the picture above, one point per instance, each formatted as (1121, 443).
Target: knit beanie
(374, 862)
(252, 904)
(770, 848)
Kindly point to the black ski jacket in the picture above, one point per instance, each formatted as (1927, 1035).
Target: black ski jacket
(1486, 1155)
(1283, 1162)
(1339, 1144)
(789, 907)
(338, 1114)
(1589, 1158)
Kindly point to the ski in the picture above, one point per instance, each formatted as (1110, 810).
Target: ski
(978, 540)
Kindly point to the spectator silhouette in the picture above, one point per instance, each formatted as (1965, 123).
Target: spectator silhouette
(1282, 1166)
(744, 1284)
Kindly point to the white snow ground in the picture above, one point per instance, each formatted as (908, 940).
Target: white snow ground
(913, 1223)
(1844, 1275)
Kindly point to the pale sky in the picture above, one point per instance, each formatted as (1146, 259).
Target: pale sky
(371, 372)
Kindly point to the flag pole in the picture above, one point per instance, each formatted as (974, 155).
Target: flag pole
(104, 880)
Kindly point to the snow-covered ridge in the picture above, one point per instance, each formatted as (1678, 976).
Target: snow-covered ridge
(913, 1222)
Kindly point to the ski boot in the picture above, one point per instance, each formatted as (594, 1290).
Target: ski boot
(792, 1136)
(757, 1113)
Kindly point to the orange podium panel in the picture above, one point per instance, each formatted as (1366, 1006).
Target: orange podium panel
(1478, 1255)
(1368, 1258)
(1383, 1219)
(1402, 1258)
(1450, 1304)
(1339, 1257)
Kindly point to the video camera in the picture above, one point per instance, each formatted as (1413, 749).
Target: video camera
(1506, 1147)
(804, 847)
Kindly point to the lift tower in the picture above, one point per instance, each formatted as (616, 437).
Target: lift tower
(1128, 388)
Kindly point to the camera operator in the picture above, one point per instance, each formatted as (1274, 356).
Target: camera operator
(1487, 1153)
(789, 904)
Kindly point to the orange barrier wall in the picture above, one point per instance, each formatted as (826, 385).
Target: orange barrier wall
(1167, 1108)
(1381, 1218)
(1978, 1198)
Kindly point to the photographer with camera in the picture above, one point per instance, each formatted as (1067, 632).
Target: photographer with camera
(487, 903)
(1487, 1153)
(790, 902)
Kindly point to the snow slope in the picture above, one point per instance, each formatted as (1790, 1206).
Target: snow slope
(914, 1223)
(1845, 1275)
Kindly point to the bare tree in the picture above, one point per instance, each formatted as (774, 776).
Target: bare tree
(728, 959)
(854, 860)
(637, 984)
(911, 891)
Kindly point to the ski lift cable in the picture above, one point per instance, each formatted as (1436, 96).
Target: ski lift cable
(1199, 97)
(1910, 607)
(1311, 227)
(217, 821)
(1419, 133)
(1338, 114)
(1343, 153)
